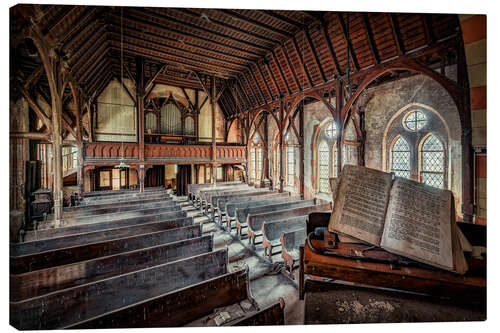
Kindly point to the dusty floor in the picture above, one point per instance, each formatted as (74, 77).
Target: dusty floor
(266, 282)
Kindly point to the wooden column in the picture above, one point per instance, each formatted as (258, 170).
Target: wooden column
(139, 63)
(265, 150)
(282, 148)
(301, 141)
(339, 103)
(79, 137)
(214, 144)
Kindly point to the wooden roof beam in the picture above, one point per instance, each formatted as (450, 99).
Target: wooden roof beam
(258, 86)
(326, 37)
(265, 81)
(281, 73)
(271, 74)
(395, 33)
(369, 37)
(304, 67)
(289, 64)
(184, 34)
(344, 33)
(315, 54)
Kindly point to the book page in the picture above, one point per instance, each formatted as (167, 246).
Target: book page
(418, 223)
(360, 204)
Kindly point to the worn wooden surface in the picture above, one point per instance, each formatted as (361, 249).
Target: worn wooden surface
(231, 205)
(333, 303)
(70, 306)
(41, 282)
(430, 281)
(89, 227)
(256, 218)
(149, 199)
(121, 208)
(38, 246)
(272, 230)
(178, 307)
(118, 192)
(271, 315)
(290, 243)
(168, 207)
(139, 237)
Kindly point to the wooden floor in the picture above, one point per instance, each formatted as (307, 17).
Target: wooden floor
(267, 283)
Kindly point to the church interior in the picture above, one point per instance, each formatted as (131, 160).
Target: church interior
(182, 166)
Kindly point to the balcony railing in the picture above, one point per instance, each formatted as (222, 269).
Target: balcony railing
(172, 153)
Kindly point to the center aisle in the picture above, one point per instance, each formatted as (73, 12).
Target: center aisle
(266, 281)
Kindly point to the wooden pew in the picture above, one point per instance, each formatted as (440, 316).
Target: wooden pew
(42, 282)
(117, 192)
(290, 243)
(207, 196)
(126, 207)
(233, 207)
(272, 231)
(121, 198)
(166, 208)
(242, 215)
(80, 248)
(212, 199)
(189, 305)
(88, 227)
(219, 207)
(77, 209)
(272, 315)
(195, 189)
(70, 306)
(204, 195)
(99, 234)
(258, 217)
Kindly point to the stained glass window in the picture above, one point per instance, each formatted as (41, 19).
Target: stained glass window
(433, 159)
(331, 130)
(291, 165)
(415, 121)
(258, 162)
(401, 158)
(324, 167)
(256, 138)
(252, 163)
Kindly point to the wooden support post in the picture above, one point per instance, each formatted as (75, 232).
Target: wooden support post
(339, 96)
(282, 148)
(265, 150)
(140, 112)
(214, 145)
(301, 141)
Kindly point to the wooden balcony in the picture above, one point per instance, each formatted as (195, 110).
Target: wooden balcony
(101, 153)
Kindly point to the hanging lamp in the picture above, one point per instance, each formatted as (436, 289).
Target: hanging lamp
(122, 164)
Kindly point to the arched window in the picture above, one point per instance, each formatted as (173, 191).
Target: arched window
(252, 164)
(432, 156)
(256, 158)
(400, 158)
(327, 156)
(324, 167)
(290, 166)
(189, 126)
(170, 117)
(151, 123)
(417, 147)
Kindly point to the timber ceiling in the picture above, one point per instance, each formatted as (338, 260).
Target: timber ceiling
(259, 55)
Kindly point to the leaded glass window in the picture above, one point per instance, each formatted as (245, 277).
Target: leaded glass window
(290, 165)
(331, 130)
(335, 158)
(324, 167)
(258, 162)
(256, 138)
(433, 162)
(252, 163)
(401, 158)
(415, 121)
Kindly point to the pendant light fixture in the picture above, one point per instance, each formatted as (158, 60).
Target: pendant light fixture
(122, 164)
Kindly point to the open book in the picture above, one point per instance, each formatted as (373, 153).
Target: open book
(401, 216)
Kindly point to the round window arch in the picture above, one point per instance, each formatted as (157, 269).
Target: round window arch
(415, 121)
